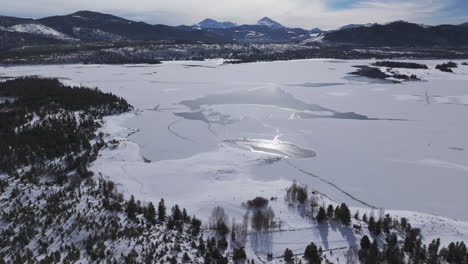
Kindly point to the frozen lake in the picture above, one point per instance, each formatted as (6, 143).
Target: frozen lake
(207, 129)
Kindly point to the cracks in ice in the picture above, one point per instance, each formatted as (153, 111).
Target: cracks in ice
(169, 128)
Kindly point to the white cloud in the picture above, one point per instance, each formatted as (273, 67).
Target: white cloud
(294, 13)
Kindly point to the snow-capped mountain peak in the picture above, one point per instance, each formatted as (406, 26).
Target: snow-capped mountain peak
(357, 25)
(211, 23)
(268, 22)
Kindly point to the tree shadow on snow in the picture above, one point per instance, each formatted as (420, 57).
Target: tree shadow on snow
(261, 242)
(323, 232)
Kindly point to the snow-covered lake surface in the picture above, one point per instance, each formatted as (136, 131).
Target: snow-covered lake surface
(208, 135)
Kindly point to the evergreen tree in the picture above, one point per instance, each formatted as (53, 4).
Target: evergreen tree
(364, 218)
(371, 224)
(302, 195)
(455, 253)
(195, 226)
(161, 211)
(365, 243)
(312, 255)
(201, 245)
(392, 253)
(377, 228)
(321, 215)
(345, 214)
(185, 216)
(411, 237)
(386, 224)
(186, 258)
(176, 213)
(336, 215)
(330, 212)
(131, 208)
(151, 213)
(239, 255)
(288, 256)
(403, 223)
(364, 251)
(373, 255)
(356, 215)
(433, 252)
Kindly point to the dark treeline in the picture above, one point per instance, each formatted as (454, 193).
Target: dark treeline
(389, 240)
(408, 249)
(36, 93)
(399, 64)
(48, 120)
(447, 67)
(376, 73)
(47, 140)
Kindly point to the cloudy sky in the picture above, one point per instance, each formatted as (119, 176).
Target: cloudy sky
(326, 14)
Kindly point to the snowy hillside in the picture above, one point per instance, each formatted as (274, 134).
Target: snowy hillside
(93, 34)
(39, 29)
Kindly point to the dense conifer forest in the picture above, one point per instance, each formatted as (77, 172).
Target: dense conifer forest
(53, 210)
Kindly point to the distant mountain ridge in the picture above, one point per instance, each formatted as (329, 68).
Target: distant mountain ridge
(89, 26)
(266, 30)
(7, 21)
(401, 33)
(211, 23)
(104, 24)
(357, 25)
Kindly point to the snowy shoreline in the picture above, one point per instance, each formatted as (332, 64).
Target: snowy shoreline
(415, 165)
(432, 226)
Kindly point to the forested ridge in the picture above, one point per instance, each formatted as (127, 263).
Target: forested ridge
(47, 120)
(52, 209)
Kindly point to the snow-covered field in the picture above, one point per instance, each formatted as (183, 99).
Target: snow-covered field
(207, 134)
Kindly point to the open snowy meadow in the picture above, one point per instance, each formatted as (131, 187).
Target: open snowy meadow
(208, 134)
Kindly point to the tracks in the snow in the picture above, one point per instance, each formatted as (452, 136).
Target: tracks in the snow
(333, 185)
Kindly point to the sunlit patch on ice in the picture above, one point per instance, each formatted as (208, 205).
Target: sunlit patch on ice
(274, 146)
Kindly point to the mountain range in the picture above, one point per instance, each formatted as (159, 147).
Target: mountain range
(266, 30)
(401, 33)
(88, 26)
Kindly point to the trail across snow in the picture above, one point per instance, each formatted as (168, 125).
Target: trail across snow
(332, 184)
